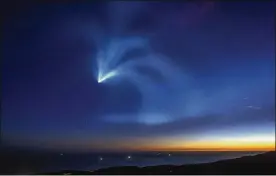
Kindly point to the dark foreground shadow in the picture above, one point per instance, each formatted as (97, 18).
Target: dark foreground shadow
(252, 165)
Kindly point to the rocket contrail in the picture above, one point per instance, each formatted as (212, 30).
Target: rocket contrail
(160, 99)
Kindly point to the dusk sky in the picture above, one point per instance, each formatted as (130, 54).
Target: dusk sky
(209, 82)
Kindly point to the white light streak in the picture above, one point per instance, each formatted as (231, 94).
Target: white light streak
(102, 78)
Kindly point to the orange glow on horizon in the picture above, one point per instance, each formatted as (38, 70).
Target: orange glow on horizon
(207, 148)
(258, 143)
(227, 144)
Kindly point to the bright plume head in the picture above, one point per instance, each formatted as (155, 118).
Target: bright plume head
(110, 59)
(106, 76)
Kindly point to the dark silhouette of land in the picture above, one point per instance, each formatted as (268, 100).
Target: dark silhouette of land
(254, 165)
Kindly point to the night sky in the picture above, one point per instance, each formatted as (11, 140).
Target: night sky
(218, 93)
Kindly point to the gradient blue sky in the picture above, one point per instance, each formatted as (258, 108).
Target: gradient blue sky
(51, 99)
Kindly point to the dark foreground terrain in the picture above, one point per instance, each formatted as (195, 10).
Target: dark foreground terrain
(254, 165)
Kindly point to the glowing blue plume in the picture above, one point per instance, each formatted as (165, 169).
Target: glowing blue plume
(160, 100)
(108, 59)
(172, 97)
